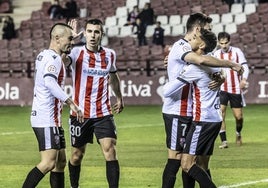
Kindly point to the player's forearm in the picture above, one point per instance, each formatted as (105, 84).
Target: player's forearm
(216, 62)
(173, 87)
(115, 85)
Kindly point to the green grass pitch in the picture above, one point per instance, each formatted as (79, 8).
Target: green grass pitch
(141, 150)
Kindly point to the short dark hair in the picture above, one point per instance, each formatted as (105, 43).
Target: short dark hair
(223, 35)
(210, 40)
(197, 19)
(58, 24)
(95, 21)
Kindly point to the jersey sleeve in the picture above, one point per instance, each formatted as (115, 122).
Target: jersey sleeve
(113, 61)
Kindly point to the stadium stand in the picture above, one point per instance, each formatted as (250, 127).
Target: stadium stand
(247, 23)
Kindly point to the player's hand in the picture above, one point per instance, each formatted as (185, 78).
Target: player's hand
(238, 68)
(73, 24)
(76, 109)
(243, 84)
(218, 79)
(118, 106)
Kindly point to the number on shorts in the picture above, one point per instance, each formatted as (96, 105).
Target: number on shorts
(75, 130)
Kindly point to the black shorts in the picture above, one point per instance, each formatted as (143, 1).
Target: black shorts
(176, 128)
(50, 138)
(82, 133)
(201, 137)
(235, 100)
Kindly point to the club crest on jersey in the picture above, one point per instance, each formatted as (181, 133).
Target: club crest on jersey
(52, 69)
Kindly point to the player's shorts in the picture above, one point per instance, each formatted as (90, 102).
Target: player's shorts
(50, 138)
(201, 137)
(176, 128)
(82, 133)
(235, 100)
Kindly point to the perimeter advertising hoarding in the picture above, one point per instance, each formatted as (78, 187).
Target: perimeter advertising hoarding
(136, 90)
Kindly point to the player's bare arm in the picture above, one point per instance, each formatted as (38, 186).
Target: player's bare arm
(76, 109)
(212, 61)
(115, 85)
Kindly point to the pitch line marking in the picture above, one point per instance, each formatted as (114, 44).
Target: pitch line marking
(245, 183)
(11, 133)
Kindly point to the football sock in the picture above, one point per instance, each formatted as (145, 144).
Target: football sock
(201, 177)
(56, 179)
(239, 125)
(33, 178)
(188, 181)
(112, 173)
(223, 136)
(74, 172)
(170, 172)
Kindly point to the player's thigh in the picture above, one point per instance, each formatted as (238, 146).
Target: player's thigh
(238, 113)
(176, 127)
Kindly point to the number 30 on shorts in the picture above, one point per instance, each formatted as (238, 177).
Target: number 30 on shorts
(75, 130)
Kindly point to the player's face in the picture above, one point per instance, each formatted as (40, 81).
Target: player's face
(66, 42)
(224, 44)
(93, 34)
(196, 42)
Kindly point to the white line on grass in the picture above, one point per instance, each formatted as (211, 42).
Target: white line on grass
(11, 133)
(245, 183)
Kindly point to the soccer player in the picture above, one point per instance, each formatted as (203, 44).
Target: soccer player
(93, 70)
(206, 111)
(177, 110)
(231, 90)
(47, 109)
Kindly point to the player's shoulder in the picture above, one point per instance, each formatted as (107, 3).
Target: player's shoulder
(108, 50)
(47, 55)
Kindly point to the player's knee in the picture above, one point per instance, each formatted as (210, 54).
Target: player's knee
(77, 157)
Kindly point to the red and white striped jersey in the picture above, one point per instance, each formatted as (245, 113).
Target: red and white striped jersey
(231, 84)
(206, 104)
(90, 75)
(46, 107)
(181, 103)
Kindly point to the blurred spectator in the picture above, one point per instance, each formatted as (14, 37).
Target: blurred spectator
(55, 11)
(70, 10)
(229, 2)
(147, 16)
(141, 29)
(158, 36)
(132, 15)
(8, 28)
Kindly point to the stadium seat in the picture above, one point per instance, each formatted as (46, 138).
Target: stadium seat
(174, 20)
(121, 12)
(230, 28)
(261, 38)
(249, 8)
(227, 18)
(252, 50)
(111, 21)
(264, 49)
(3, 44)
(131, 3)
(149, 30)
(112, 31)
(26, 43)
(177, 30)
(128, 41)
(237, 8)
(253, 18)
(223, 9)
(4, 54)
(163, 19)
(14, 43)
(215, 18)
(141, 3)
(240, 18)
(243, 28)
(144, 52)
(125, 31)
(217, 28)
(262, 8)
(167, 29)
(184, 19)
(247, 38)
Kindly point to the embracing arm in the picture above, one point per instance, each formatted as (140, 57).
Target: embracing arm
(212, 61)
(173, 87)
